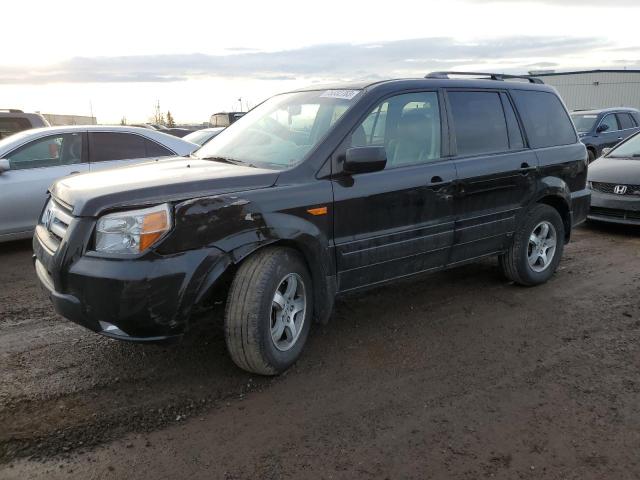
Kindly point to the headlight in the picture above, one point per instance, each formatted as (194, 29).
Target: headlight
(134, 231)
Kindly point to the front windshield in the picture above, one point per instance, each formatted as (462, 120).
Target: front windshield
(629, 149)
(281, 131)
(584, 122)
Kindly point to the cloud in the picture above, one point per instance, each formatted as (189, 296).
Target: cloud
(329, 61)
(563, 3)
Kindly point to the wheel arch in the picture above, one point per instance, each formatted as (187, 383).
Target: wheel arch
(562, 206)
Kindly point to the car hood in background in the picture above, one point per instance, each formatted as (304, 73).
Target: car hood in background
(615, 170)
(179, 178)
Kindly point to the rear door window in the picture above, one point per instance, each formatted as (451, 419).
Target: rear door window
(479, 123)
(107, 146)
(626, 121)
(52, 151)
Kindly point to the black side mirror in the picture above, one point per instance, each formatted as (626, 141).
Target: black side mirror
(365, 159)
(602, 128)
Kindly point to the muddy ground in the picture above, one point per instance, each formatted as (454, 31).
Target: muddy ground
(456, 375)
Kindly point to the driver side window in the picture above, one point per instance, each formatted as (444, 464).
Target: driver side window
(52, 151)
(407, 125)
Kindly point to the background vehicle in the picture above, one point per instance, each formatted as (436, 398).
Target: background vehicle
(316, 193)
(203, 136)
(224, 119)
(177, 131)
(32, 160)
(614, 180)
(605, 128)
(13, 121)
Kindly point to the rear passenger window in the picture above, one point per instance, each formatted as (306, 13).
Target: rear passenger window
(106, 146)
(479, 123)
(626, 121)
(545, 119)
(155, 150)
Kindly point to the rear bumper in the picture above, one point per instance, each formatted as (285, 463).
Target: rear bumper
(580, 202)
(146, 299)
(607, 207)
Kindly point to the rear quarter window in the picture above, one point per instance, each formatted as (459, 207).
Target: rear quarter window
(545, 119)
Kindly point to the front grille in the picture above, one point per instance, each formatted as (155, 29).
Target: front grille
(611, 188)
(615, 213)
(56, 220)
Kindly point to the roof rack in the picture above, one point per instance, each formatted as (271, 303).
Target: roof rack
(11, 110)
(492, 76)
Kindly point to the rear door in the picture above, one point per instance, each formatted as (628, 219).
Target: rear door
(117, 149)
(34, 167)
(496, 172)
(398, 221)
(627, 124)
(612, 135)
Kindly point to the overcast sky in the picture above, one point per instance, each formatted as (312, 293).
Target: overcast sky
(198, 57)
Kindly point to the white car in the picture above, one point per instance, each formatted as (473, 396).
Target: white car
(204, 135)
(32, 160)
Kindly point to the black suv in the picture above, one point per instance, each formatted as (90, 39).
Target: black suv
(315, 193)
(605, 128)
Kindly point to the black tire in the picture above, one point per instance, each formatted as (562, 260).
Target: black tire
(514, 263)
(591, 154)
(248, 315)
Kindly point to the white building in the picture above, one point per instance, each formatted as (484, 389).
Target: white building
(590, 89)
(61, 120)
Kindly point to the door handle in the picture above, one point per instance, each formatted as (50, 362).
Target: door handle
(525, 167)
(619, 138)
(73, 173)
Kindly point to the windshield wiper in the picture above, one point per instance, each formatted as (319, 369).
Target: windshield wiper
(232, 161)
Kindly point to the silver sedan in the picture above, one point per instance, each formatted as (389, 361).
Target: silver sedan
(32, 160)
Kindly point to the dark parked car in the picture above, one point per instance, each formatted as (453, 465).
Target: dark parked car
(614, 180)
(605, 128)
(13, 121)
(316, 193)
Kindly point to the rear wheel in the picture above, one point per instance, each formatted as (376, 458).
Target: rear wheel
(537, 247)
(269, 310)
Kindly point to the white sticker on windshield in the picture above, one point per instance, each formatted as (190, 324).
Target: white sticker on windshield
(344, 94)
(590, 116)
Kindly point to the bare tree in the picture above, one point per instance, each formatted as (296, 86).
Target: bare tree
(123, 121)
(158, 116)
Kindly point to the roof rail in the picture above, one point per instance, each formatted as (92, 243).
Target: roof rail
(11, 110)
(492, 76)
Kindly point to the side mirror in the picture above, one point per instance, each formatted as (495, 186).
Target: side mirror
(605, 151)
(602, 128)
(365, 159)
(4, 165)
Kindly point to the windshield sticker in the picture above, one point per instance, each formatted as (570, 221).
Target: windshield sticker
(589, 116)
(344, 94)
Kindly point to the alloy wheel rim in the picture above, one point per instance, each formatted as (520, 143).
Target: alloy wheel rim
(288, 312)
(542, 246)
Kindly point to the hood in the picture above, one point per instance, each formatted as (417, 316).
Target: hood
(160, 181)
(615, 170)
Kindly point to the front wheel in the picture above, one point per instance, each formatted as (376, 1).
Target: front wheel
(537, 247)
(269, 311)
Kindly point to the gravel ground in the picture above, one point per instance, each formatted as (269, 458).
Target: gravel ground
(456, 375)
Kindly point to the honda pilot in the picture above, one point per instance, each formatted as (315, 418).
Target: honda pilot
(313, 194)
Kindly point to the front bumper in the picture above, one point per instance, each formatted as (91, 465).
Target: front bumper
(607, 207)
(146, 299)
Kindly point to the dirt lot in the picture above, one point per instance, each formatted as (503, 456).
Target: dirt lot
(457, 375)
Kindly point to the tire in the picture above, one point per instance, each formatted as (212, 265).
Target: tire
(252, 313)
(591, 154)
(515, 263)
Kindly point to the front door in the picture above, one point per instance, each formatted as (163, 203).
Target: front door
(34, 167)
(398, 221)
(496, 173)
